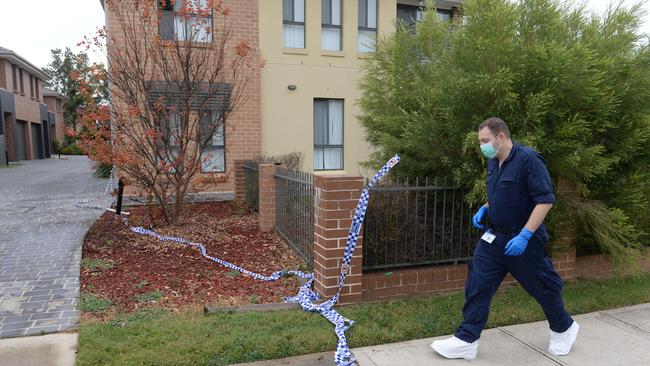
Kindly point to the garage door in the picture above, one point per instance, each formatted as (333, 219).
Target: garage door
(21, 152)
(37, 142)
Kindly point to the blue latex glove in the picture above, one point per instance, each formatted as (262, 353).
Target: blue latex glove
(478, 216)
(517, 245)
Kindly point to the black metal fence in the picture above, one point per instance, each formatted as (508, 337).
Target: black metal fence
(252, 183)
(423, 223)
(294, 213)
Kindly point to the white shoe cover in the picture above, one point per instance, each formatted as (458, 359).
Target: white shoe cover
(561, 343)
(456, 348)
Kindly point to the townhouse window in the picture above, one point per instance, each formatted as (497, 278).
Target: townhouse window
(293, 19)
(22, 85)
(37, 90)
(58, 105)
(14, 73)
(367, 35)
(444, 15)
(186, 20)
(171, 130)
(212, 140)
(332, 34)
(31, 86)
(409, 15)
(328, 134)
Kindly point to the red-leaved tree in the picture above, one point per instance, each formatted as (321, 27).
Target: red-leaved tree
(176, 74)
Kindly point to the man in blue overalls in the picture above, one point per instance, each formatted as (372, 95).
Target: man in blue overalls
(520, 195)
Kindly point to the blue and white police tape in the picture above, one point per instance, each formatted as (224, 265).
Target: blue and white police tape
(306, 296)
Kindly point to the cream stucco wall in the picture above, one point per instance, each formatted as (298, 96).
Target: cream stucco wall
(287, 116)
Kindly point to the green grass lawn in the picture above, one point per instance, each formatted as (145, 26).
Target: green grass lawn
(158, 337)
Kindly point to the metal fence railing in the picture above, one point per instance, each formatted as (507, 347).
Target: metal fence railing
(252, 183)
(294, 213)
(424, 223)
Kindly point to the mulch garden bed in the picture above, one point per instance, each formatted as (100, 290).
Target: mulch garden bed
(135, 271)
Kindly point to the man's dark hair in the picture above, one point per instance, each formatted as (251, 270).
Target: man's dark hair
(496, 126)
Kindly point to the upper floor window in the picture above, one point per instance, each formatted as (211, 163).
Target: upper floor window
(186, 20)
(58, 105)
(293, 19)
(37, 90)
(331, 25)
(409, 15)
(367, 36)
(31, 86)
(14, 73)
(22, 85)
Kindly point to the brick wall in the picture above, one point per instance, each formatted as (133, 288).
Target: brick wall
(243, 128)
(9, 128)
(3, 75)
(239, 180)
(602, 266)
(417, 281)
(335, 202)
(266, 215)
(594, 266)
(451, 278)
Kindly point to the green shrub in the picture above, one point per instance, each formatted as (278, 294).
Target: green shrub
(56, 147)
(103, 170)
(72, 149)
(571, 85)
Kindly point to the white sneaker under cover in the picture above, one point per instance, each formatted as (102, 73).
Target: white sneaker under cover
(561, 343)
(456, 348)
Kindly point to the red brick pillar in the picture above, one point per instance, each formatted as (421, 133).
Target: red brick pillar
(266, 215)
(240, 180)
(9, 136)
(335, 202)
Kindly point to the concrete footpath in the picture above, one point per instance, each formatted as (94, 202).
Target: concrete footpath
(613, 337)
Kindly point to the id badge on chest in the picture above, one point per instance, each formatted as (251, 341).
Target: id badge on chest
(488, 237)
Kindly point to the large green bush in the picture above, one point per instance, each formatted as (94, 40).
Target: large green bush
(573, 85)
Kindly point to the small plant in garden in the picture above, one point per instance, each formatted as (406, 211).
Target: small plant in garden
(93, 304)
(95, 264)
(176, 283)
(233, 274)
(142, 284)
(254, 299)
(149, 296)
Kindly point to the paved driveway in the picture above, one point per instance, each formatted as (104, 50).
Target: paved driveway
(41, 233)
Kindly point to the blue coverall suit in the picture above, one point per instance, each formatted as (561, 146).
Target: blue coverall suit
(513, 190)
